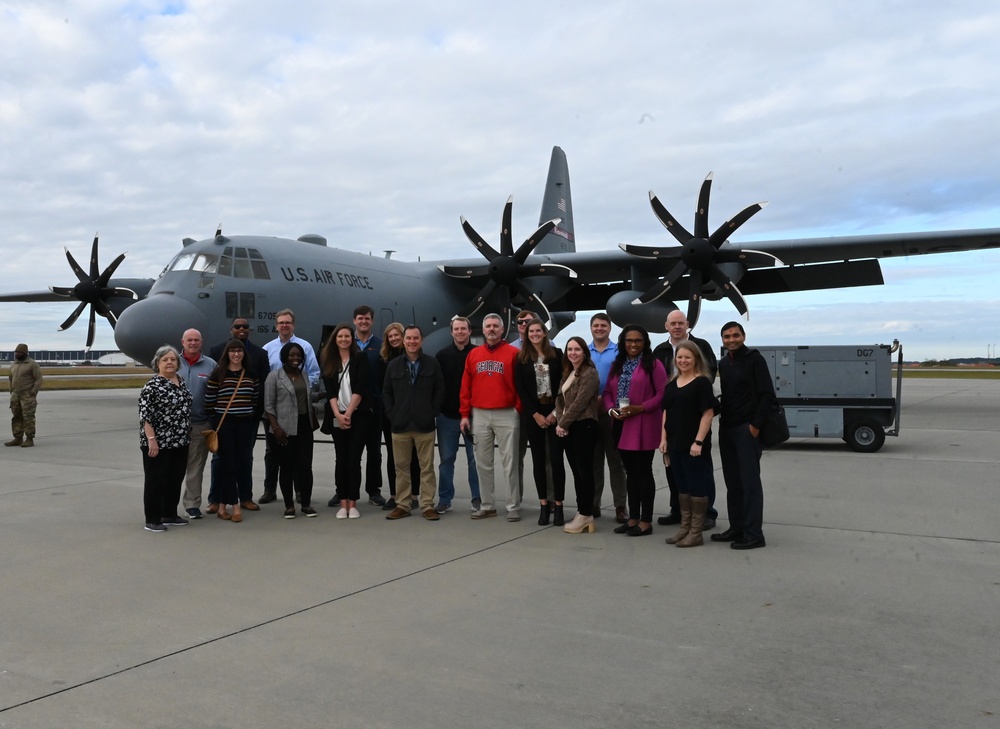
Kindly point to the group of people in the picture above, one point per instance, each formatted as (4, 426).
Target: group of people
(603, 402)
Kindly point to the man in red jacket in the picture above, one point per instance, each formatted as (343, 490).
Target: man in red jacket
(489, 406)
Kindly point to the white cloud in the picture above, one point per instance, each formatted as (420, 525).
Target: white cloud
(377, 124)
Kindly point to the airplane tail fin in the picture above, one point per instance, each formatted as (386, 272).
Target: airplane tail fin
(557, 203)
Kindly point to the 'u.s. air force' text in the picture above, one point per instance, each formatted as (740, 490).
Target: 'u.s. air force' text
(351, 280)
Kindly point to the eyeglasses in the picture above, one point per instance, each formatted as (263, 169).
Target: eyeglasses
(522, 322)
(241, 326)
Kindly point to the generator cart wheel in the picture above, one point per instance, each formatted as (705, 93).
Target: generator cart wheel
(865, 436)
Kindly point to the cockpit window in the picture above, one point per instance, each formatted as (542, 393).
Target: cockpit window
(205, 262)
(235, 262)
(258, 264)
(182, 262)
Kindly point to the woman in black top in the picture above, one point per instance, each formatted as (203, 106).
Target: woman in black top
(346, 375)
(688, 408)
(537, 375)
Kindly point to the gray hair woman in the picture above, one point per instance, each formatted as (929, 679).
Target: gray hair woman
(164, 434)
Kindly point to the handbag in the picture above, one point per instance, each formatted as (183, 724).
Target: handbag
(211, 440)
(774, 431)
(212, 436)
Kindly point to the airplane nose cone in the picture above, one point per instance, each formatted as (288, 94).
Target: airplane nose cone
(161, 319)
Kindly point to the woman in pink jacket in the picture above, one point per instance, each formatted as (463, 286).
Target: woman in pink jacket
(633, 398)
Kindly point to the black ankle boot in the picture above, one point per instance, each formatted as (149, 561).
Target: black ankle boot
(557, 515)
(543, 517)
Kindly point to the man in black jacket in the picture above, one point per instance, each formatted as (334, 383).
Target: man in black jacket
(678, 328)
(412, 394)
(747, 397)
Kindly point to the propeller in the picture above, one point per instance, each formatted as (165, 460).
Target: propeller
(93, 291)
(506, 268)
(701, 254)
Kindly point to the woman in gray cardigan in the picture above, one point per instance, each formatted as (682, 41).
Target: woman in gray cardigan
(286, 403)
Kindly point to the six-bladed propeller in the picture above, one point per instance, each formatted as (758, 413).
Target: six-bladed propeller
(506, 268)
(701, 254)
(93, 291)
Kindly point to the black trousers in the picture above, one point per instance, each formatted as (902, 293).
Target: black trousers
(741, 468)
(546, 449)
(580, 443)
(640, 484)
(244, 483)
(349, 445)
(162, 480)
(295, 464)
(235, 465)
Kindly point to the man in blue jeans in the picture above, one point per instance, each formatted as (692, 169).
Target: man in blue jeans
(452, 360)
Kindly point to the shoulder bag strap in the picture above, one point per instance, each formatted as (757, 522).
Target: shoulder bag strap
(235, 390)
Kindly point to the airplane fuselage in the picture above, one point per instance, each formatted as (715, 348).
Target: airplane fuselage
(211, 282)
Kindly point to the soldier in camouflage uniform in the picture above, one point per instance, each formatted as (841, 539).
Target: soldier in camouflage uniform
(25, 382)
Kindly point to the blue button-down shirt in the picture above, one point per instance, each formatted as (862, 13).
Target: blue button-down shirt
(604, 360)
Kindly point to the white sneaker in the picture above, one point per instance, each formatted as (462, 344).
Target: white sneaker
(354, 513)
(342, 514)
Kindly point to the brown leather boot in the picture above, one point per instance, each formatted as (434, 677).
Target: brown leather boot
(699, 505)
(15, 441)
(685, 504)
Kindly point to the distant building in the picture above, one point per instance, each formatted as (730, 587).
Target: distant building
(110, 357)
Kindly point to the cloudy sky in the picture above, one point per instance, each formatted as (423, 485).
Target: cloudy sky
(378, 123)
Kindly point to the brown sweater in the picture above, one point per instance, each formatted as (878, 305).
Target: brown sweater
(581, 401)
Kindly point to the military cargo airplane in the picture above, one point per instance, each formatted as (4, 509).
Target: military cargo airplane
(212, 281)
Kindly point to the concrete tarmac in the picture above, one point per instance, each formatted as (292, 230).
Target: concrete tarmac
(874, 604)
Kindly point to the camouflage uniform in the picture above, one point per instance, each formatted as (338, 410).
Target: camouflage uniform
(25, 382)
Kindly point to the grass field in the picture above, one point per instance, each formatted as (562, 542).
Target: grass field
(117, 378)
(85, 378)
(951, 373)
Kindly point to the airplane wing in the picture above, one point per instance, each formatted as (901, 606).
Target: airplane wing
(614, 280)
(34, 297)
(889, 245)
(610, 266)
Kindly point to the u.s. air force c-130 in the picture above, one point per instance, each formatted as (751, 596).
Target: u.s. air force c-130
(212, 281)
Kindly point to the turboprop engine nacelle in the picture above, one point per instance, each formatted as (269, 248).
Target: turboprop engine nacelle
(649, 316)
